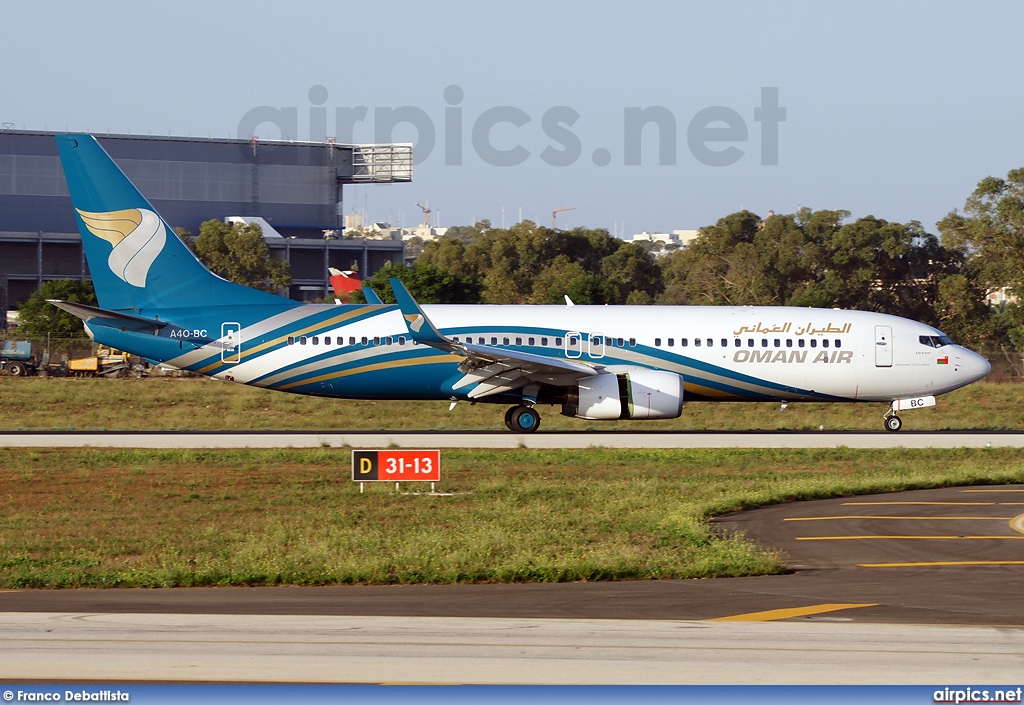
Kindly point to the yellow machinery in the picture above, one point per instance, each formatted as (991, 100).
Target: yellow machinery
(107, 362)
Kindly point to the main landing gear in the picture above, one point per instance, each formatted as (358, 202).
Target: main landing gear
(522, 419)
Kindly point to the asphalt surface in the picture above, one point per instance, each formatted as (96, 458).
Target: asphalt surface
(504, 439)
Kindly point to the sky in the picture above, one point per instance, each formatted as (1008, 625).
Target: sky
(895, 110)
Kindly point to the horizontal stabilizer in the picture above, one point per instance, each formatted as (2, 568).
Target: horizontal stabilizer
(111, 319)
(371, 296)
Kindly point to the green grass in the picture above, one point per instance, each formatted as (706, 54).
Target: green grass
(93, 517)
(201, 404)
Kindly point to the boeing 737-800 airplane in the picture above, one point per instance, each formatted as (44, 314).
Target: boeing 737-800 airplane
(158, 301)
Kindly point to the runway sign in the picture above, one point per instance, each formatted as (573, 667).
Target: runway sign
(396, 465)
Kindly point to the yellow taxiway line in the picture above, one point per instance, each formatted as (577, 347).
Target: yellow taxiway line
(976, 491)
(920, 518)
(772, 615)
(927, 564)
(945, 504)
(908, 538)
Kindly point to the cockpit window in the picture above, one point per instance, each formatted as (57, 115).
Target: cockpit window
(935, 341)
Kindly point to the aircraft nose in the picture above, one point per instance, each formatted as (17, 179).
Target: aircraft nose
(975, 366)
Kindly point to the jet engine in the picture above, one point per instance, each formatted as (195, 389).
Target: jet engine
(638, 393)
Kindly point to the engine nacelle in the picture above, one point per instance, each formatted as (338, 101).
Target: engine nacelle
(640, 393)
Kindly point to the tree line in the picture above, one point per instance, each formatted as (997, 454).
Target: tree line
(816, 258)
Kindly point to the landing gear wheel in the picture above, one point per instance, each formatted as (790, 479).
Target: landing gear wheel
(522, 419)
(894, 423)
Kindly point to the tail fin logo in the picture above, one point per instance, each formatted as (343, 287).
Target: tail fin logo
(415, 321)
(137, 236)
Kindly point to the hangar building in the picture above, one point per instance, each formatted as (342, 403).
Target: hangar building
(293, 189)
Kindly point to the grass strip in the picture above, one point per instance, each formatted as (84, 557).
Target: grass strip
(148, 518)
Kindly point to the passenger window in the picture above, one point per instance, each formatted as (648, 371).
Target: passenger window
(302, 340)
(401, 340)
(504, 341)
(390, 340)
(544, 342)
(531, 341)
(800, 343)
(291, 340)
(494, 340)
(671, 342)
(696, 342)
(558, 342)
(738, 342)
(455, 338)
(684, 342)
(789, 342)
(824, 343)
(597, 340)
(750, 342)
(352, 340)
(376, 340)
(814, 343)
(837, 343)
(316, 340)
(519, 341)
(725, 343)
(363, 341)
(764, 342)
(657, 342)
(711, 342)
(778, 343)
(632, 342)
(619, 342)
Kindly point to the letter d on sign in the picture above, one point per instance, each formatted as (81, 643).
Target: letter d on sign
(364, 465)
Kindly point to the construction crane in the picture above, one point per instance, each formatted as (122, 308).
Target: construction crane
(554, 215)
(426, 213)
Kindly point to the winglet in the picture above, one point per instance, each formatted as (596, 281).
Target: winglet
(420, 328)
(371, 296)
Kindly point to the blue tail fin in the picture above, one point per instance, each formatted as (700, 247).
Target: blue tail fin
(136, 261)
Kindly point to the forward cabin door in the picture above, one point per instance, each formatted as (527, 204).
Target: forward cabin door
(883, 346)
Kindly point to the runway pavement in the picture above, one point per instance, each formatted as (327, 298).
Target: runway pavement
(910, 587)
(504, 439)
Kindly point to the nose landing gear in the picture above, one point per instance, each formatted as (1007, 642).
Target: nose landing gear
(893, 423)
(522, 419)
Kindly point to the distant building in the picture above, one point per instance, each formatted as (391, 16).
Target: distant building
(293, 190)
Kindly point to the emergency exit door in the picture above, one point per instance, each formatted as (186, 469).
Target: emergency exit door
(883, 346)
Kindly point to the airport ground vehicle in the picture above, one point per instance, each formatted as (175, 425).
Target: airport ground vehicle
(18, 358)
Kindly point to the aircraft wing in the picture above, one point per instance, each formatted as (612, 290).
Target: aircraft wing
(493, 370)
